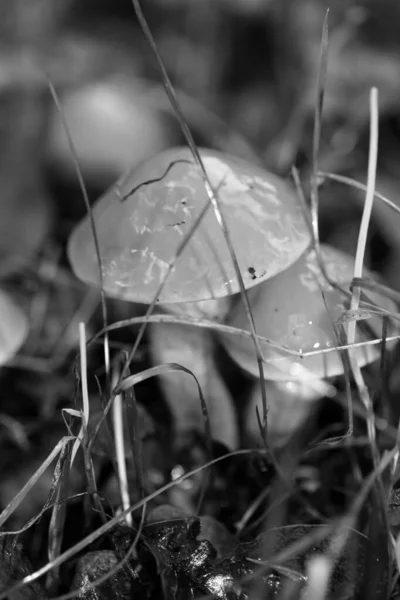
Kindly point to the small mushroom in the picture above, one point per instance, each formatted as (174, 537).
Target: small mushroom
(106, 119)
(298, 309)
(13, 328)
(141, 222)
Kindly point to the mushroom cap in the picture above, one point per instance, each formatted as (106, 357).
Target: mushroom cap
(290, 310)
(142, 220)
(13, 328)
(106, 118)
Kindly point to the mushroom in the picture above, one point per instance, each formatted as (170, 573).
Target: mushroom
(298, 309)
(13, 328)
(106, 118)
(141, 222)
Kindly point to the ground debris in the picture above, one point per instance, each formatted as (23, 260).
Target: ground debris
(14, 566)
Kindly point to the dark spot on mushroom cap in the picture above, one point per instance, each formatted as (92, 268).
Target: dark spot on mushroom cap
(252, 272)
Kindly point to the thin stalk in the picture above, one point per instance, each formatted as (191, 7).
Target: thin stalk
(359, 260)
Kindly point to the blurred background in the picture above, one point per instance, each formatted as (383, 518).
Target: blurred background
(245, 72)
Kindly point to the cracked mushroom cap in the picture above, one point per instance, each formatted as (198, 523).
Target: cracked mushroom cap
(13, 328)
(291, 310)
(143, 218)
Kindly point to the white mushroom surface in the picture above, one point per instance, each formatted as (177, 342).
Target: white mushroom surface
(112, 126)
(192, 348)
(298, 310)
(143, 219)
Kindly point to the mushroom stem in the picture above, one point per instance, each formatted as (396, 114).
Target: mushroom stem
(193, 348)
(290, 403)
